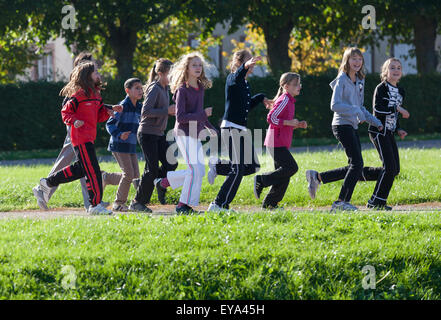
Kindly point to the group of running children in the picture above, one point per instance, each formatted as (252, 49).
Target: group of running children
(133, 121)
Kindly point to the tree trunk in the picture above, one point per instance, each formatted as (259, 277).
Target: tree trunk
(277, 48)
(424, 42)
(123, 42)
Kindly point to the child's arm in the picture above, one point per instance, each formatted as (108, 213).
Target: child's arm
(104, 113)
(112, 125)
(371, 119)
(182, 116)
(403, 112)
(275, 115)
(148, 107)
(68, 112)
(256, 99)
(339, 106)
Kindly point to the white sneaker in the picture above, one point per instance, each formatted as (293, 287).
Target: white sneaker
(212, 170)
(40, 199)
(343, 206)
(99, 210)
(213, 207)
(45, 189)
(313, 182)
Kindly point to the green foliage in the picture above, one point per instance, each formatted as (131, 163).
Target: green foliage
(30, 112)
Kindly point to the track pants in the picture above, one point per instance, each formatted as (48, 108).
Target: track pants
(154, 149)
(65, 158)
(285, 166)
(85, 166)
(190, 179)
(243, 162)
(388, 151)
(354, 171)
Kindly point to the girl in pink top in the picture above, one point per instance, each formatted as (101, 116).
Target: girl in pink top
(278, 140)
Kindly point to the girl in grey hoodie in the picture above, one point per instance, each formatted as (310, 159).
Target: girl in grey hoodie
(347, 104)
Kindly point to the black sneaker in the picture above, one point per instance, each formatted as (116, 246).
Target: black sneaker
(377, 206)
(184, 209)
(160, 190)
(139, 207)
(257, 186)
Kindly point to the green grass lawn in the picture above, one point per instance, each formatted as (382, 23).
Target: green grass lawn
(264, 255)
(419, 181)
(244, 255)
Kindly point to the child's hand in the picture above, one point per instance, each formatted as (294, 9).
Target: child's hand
(401, 133)
(380, 128)
(125, 135)
(209, 111)
(172, 110)
(403, 112)
(268, 103)
(78, 123)
(117, 108)
(303, 124)
(252, 62)
(111, 114)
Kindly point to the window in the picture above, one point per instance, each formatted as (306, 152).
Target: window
(44, 67)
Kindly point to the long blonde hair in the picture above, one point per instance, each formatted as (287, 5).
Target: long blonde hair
(179, 72)
(81, 78)
(385, 67)
(345, 67)
(286, 78)
(239, 57)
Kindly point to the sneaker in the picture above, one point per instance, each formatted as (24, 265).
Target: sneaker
(120, 207)
(160, 190)
(212, 170)
(105, 204)
(343, 206)
(136, 183)
(40, 200)
(139, 207)
(257, 186)
(99, 209)
(271, 207)
(213, 207)
(378, 206)
(185, 209)
(313, 182)
(45, 189)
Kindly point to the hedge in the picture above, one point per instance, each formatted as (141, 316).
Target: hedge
(30, 112)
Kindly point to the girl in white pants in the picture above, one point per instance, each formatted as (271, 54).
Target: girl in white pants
(188, 83)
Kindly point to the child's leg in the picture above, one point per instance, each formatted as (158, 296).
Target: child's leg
(149, 146)
(87, 157)
(68, 174)
(385, 147)
(167, 159)
(64, 159)
(125, 163)
(285, 167)
(193, 154)
(350, 141)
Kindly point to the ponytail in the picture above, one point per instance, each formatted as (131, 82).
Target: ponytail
(161, 65)
(285, 79)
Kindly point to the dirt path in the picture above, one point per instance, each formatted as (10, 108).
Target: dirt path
(168, 211)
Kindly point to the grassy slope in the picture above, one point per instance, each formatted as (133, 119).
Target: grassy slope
(418, 182)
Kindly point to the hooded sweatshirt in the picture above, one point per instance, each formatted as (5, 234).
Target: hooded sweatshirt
(347, 102)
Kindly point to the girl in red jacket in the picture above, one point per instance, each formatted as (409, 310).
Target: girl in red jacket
(82, 112)
(278, 140)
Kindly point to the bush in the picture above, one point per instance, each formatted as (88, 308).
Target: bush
(30, 112)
